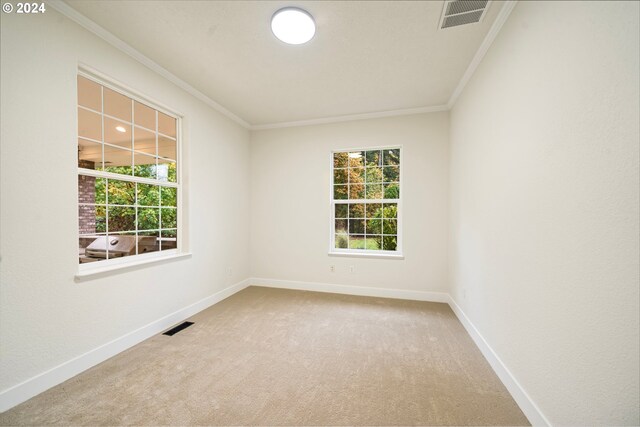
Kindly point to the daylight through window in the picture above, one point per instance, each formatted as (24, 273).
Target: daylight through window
(366, 201)
(128, 183)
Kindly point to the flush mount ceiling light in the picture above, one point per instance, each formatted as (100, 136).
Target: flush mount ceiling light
(121, 129)
(293, 26)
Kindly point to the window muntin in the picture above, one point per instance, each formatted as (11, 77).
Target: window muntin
(128, 184)
(365, 201)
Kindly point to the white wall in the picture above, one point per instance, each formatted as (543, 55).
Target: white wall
(290, 211)
(544, 206)
(46, 318)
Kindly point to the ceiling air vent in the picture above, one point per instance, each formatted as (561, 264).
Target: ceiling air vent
(461, 12)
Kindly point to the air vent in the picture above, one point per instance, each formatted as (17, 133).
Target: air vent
(178, 328)
(462, 12)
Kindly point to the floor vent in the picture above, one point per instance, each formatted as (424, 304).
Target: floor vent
(178, 328)
(461, 12)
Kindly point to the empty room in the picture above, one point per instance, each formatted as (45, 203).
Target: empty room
(320, 213)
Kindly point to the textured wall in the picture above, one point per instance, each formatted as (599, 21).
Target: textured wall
(46, 318)
(544, 213)
(291, 212)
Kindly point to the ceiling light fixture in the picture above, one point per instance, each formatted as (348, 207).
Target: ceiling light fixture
(121, 129)
(292, 25)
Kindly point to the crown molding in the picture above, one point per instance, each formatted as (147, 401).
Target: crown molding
(482, 50)
(119, 44)
(352, 117)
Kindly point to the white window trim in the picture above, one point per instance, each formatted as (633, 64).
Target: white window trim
(364, 253)
(115, 265)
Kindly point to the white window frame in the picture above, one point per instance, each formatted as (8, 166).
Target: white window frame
(333, 251)
(107, 265)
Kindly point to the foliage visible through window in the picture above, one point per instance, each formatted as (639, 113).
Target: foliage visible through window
(366, 193)
(127, 175)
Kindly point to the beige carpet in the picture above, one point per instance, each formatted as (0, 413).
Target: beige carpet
(280, 357)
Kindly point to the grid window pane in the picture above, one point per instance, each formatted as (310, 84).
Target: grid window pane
(392, 191)
(373, 243)
(356, 191)
(169, 218)
(357, 175)
(341, 210)
(373, 158)
(342, 241)
(145, 166)
(356, 210)
(340, 192)
(169, 196)
(340, 160)
(100, 190)
(391, 173)
(356, 159)
(117, 160)
(374, 176)
(144, 116)
(390, 210)
(356, 241)
(167, 147)
(118, 135)
(390, 226)
(166, 170)
(117, 105)
(374, 226)
(148, 195)
(89, 94)
(168, 239)
(356, 226)
(391, 157)
(389, 243)
(374, 210)
(101, 219)
(89, 125)
(121, 218)
(148, 218)
(121, 192)
(148, 241)
(374, 191)
(144, 141)
(166, 125)
(89, 154)
(340, 176)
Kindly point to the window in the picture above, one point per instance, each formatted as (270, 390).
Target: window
(366, 202)
(128, 181)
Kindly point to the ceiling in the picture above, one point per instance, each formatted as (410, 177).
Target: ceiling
(366, 57)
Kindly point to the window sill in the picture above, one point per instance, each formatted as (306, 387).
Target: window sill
(366, 255)
(107, 270)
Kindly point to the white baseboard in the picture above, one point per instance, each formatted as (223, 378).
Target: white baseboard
(36, 385)
(352, 290)
(54, 376)
(528, 406)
